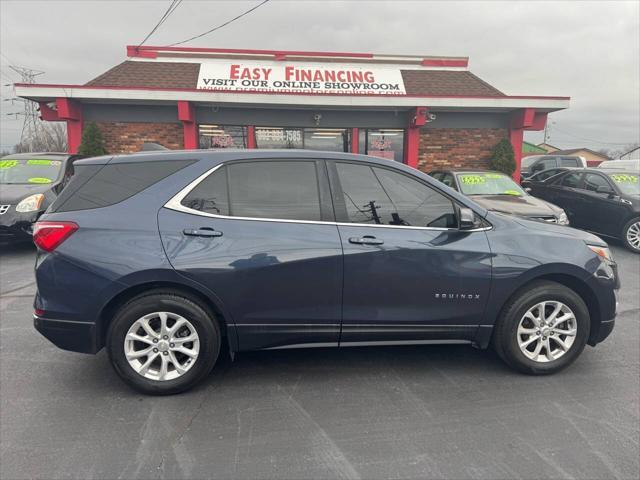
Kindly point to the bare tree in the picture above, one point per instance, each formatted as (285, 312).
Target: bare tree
(52, 137)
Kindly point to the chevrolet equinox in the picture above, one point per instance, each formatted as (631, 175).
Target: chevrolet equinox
(164, 257)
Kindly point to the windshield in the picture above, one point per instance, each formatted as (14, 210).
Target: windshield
(626, 182)
(527, 161)
(31, 171)
(488, 184)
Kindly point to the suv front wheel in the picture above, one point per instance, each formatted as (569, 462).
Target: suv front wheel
(542, 329)
(163, 342)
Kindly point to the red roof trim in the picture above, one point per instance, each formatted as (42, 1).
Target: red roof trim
(134, 51)
(445, 62)
(99, 87)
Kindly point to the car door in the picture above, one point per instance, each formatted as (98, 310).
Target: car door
(409, 273)
(260, 236)
(606, 212)
(564, 192)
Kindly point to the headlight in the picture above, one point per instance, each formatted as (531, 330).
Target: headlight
(563, 219)
(30, 204)
(602, 252)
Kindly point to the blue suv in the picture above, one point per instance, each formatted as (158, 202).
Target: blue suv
(165, 257)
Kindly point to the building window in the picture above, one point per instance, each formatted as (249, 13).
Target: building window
(383, 142)
(222, 136)
(325, 139)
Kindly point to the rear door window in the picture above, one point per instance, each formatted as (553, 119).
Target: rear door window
(569, 162)
(285, 190)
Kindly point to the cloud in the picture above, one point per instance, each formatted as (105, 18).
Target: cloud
(587, 50)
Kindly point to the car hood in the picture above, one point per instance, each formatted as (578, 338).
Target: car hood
(12, 194)
(525, 206)
(565, 231)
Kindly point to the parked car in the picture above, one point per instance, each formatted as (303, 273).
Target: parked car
(621, 165)
(29, 182)
(164, 257)
(537, 163)
(497, 192)
(541, 176)
(606, 202)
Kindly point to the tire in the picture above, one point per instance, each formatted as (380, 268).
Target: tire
(631, 235)
(182, 371)
(508, 336)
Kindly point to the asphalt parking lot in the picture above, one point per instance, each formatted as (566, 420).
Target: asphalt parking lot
(406, 412)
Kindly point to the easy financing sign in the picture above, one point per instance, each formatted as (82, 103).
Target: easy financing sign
(284, 78)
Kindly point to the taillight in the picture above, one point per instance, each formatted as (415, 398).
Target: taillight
(49, 235)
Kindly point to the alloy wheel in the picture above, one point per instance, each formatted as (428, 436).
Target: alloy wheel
(547, 331)
(633, 235)
(162, 346)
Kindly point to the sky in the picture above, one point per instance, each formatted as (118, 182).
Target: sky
(588, 50)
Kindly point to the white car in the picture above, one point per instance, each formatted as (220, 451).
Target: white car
(621, 164)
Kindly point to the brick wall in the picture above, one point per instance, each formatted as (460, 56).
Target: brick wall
(121, 137)
(457, 147)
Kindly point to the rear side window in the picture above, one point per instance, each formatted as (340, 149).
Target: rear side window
(277, 190)
(568, 162)
(97, 186)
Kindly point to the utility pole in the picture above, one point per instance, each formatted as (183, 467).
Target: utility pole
(32, 127)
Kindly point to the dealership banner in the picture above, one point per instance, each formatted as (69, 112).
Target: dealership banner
(288, 78)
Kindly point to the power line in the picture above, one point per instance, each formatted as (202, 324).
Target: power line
(174, 4)
(220, 26)
(588, 139)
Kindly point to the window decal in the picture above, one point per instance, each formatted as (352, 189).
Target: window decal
(624, 178)
(8, 163)
(39, 180)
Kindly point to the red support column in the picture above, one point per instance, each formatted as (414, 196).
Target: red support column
(251, 136)
(417, 119)
(187, 115)
(521, 120)
(411, 144)
(71, 111)
(355, 140)
(516, 136)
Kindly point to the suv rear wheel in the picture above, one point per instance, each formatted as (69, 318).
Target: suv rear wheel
(163, 342)
(542, 329)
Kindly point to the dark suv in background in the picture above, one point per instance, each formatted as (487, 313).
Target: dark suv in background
(162, 258)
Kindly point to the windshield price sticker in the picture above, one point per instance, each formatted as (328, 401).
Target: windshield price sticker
(472, 179)
(54, 163)
(8, 163)
(493, 175)
(39, 180)
(624, 178)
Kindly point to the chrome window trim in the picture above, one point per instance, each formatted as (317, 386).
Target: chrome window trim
(175, 203)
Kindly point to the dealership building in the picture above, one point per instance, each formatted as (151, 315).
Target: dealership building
(427, 112)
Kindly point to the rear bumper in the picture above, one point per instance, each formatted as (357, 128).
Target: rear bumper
(68, 335)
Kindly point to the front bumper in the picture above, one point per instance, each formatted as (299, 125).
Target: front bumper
(15, 226)
(67, 334)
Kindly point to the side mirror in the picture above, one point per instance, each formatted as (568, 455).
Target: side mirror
(467, 219)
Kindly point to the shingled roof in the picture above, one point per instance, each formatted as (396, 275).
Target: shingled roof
(180, 75)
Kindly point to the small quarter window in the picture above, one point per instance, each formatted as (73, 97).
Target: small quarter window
(210, 195)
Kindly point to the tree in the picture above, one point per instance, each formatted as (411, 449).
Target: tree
(502, 157)
(92, 142)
